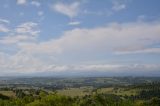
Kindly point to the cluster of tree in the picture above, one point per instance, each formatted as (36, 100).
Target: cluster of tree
(3, 97)
(45, 99)
(146, 91)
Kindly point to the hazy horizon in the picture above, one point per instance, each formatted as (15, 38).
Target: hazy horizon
(79, 38)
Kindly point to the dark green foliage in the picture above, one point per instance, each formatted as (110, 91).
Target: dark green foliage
(147, 94)
(19, 93)
(3, 97)
(58, 100)
(153, 102)
(53, 100)
(105, 100)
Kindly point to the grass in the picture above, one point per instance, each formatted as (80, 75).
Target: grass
(75, 91)
(8, 93)
(87, 90)
(124, 92)
(119, 91)
(105, 90)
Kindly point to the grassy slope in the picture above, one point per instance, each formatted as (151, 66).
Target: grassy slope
(8, 93)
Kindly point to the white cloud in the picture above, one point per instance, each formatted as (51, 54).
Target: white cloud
(117, 6)
(21, 2)
(25, 63)
(19, 63)
(3, 58)
(128, 37)
(15, 39)
(29, 28)
(3, 25)
(4, 21)
(70, 10)
(113, 38)
(40, 13)
(74, 23)
(25, 32)
(3, 28)
(36, 3)
(141, 18)
(22, 63)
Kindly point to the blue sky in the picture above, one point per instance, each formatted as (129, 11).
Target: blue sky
(80, 36)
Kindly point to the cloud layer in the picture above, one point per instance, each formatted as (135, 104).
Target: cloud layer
(114, 38)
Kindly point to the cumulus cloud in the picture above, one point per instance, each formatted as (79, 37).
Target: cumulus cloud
(3, 25)
(19, 63)
(115, 38)
(36, 3)
(3, 28)
(14, 39)
(117, 6)
(29, 28)
(70, 10)
(21, 2)
(24, 32)
(128, 37)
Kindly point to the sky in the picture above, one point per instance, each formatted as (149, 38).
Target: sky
(80, 37)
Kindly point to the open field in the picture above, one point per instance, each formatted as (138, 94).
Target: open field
(8, 93)
(75, 92)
